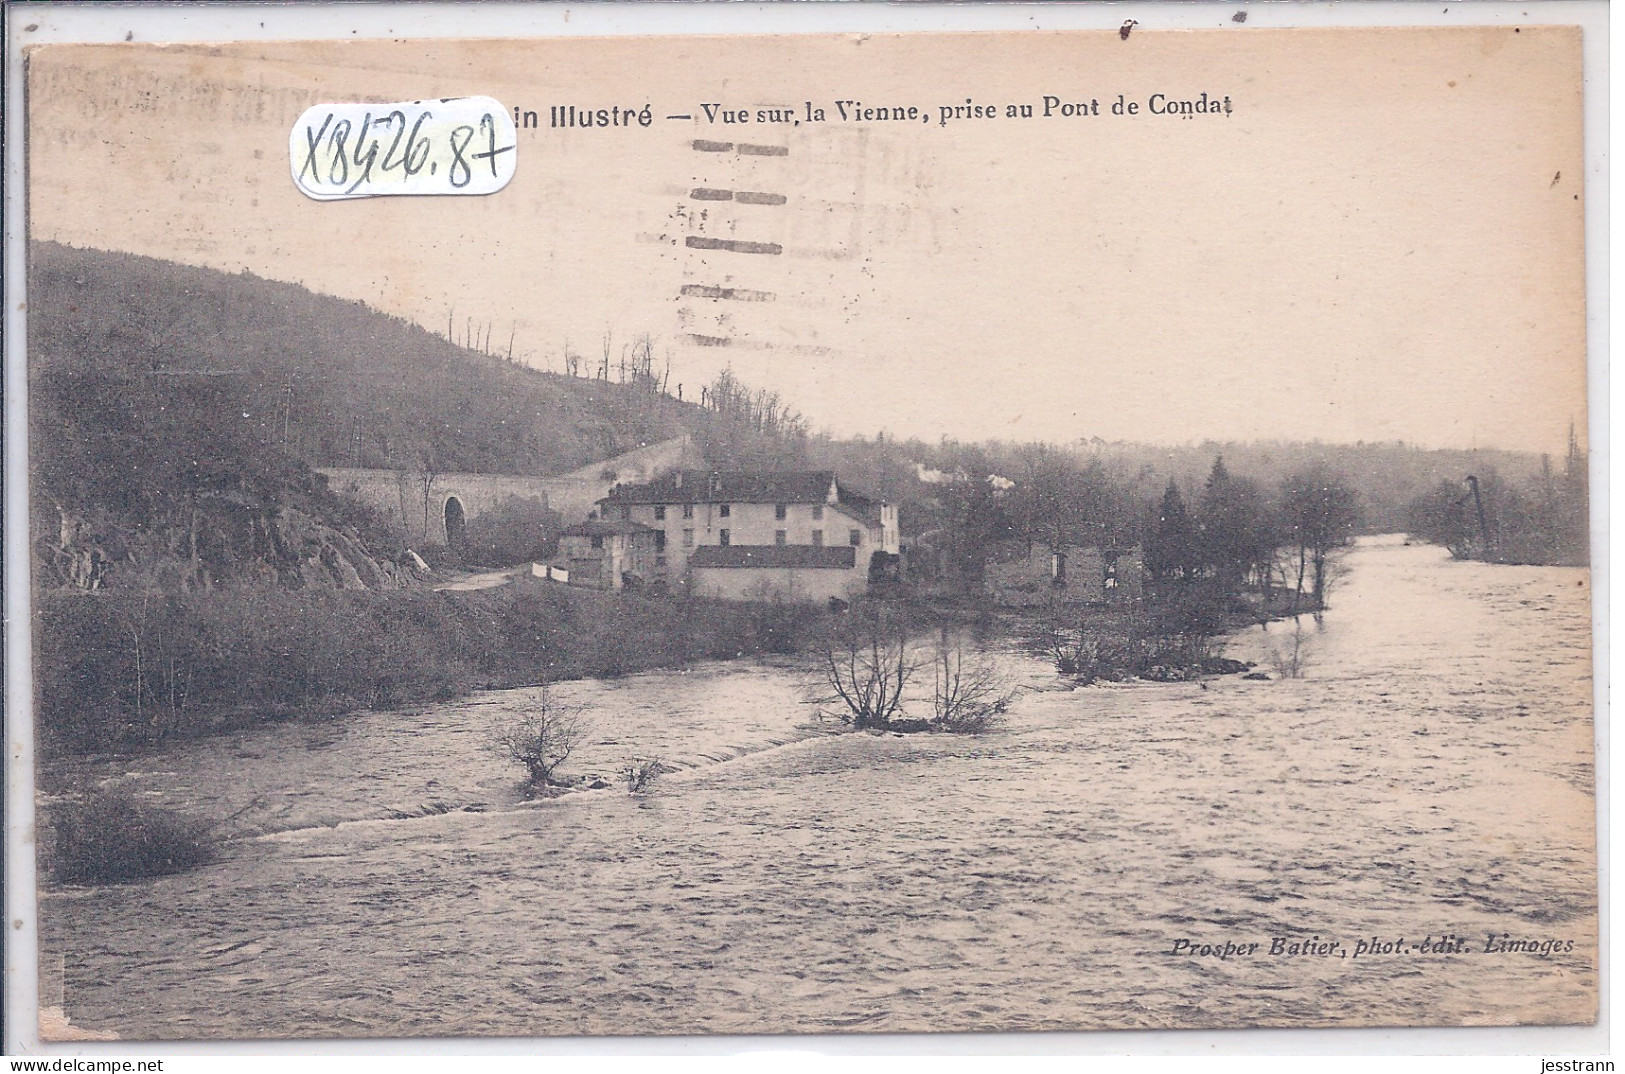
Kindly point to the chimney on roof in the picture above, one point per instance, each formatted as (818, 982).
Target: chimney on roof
(679, 479)
(716, 483)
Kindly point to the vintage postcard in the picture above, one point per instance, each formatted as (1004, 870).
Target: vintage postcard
(926, 532)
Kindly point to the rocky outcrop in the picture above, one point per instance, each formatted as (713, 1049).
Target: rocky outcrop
(314, 555)
(219, 540)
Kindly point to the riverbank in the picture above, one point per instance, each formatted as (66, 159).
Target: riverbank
(126, 670)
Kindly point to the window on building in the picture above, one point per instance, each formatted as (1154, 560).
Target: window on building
(626, 512)
(780, 510)
(724, 510)
(855, 537)
(660, 512)
(660, 540)
(598, 542)
(818, 538)
(688, 510)
(723, 538)
(779, 537)
(818, 512)
(688, 538)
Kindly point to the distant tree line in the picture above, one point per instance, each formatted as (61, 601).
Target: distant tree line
(1543, 519)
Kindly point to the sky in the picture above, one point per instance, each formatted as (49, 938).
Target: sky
(1381, 239)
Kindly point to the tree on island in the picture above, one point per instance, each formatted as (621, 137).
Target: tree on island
(969, 694)
(1170, 541)
(1234, 536)
(1318, 513)
(1060, 502)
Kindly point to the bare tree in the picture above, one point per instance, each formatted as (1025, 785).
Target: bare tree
(1319, 512)
(544, 736)
(641, 372)
(863, 667)
(1063, 637)
(968, 696)
(1291, 657)
(428, 474)
(1061, 501)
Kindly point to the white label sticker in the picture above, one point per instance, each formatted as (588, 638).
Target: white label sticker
(461, 145)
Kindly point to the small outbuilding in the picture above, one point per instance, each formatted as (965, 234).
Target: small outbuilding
(607, 554)
(1023, 575)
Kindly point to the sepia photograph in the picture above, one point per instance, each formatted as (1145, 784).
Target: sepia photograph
(855, 533)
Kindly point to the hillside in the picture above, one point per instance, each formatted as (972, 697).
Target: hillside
(326, 381)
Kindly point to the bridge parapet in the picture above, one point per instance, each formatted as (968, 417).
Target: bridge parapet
(433, 508)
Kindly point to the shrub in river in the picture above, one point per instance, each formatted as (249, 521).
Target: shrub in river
(542, 737)
(863, 667)
(110, 837)
(640, 775)
(969, 696)
(1173, 639)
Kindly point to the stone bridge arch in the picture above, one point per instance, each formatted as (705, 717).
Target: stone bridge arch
(424, 506)
(455, 520)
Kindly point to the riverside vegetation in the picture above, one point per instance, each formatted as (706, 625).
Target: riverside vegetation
(125, 669)
(108, 836)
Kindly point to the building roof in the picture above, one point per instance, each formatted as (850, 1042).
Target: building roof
(762, 556)
(861, 507)
(747, 486)
(729, 486)
(604, 527)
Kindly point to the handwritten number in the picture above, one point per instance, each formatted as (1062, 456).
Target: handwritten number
(488, 125)
(415, 163)
(398, 119)
(346, 155)
(339, 172)
(364, 162)
(466, 133)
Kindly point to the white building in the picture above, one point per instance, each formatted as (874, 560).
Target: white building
(790, 535)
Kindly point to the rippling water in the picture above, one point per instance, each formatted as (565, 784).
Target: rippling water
(1428, 771)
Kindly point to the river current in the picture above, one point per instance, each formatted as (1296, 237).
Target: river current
(1417, 770)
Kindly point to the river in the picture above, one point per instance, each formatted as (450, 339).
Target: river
(1427, 772)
